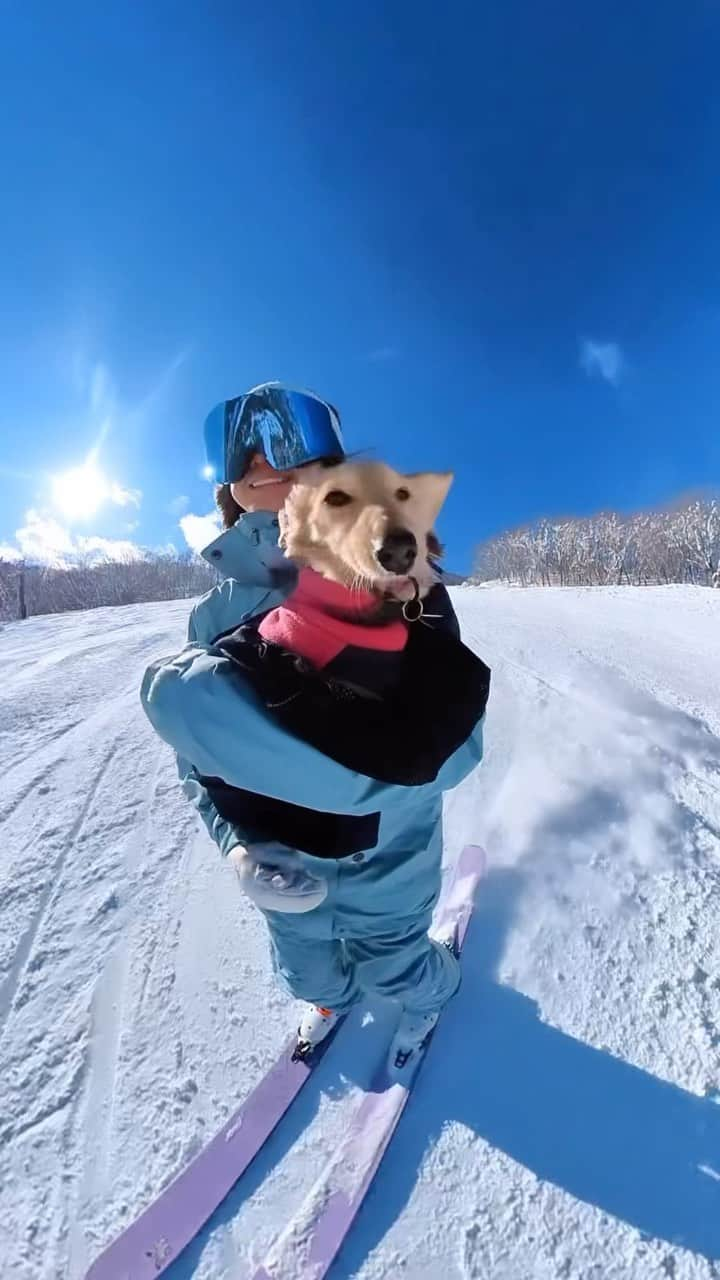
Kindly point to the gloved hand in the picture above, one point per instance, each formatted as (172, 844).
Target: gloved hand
(273, 877)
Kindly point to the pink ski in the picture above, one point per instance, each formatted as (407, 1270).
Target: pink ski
(149, 1244)
(312, 1240)
(158, 1236)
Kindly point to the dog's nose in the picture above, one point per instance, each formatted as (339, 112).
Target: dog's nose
(398, 551)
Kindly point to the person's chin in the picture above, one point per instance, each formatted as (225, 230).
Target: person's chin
(269, 498)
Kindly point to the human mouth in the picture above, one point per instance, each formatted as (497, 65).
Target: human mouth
(265, 484)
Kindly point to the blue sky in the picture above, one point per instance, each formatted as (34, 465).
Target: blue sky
(487, 232)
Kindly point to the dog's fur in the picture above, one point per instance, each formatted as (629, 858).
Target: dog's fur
(342, 542)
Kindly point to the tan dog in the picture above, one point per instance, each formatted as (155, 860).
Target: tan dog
(365, 526)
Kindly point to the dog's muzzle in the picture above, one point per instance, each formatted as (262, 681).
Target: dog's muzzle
(398, 552)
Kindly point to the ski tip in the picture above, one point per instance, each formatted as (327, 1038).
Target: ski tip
(475, 854)
(471, 861)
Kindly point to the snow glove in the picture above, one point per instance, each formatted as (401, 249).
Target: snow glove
(272, 877)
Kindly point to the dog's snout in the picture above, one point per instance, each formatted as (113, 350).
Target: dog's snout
(398, 551)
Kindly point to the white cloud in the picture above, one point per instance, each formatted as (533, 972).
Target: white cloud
(178, 506)
(124, 497)
(43, 540)
(9, 553)
(200, 530)
(100, 550)
(602, 360)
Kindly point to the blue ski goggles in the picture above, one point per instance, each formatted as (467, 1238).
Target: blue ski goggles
(288, 427)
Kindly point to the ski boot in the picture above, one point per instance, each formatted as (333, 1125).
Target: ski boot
(315, 1026)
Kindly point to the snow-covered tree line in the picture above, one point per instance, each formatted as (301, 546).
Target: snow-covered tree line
(680, 545)
(27, 589)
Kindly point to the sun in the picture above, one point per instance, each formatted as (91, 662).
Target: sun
(80, 492)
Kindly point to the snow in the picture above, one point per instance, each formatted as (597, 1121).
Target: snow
(567, 1121)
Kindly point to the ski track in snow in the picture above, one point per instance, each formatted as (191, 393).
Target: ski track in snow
(567, 1121)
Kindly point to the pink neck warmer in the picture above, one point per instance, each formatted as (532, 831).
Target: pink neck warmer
(305, 625)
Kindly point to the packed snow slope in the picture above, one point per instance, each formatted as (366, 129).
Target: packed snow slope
(566, 1123)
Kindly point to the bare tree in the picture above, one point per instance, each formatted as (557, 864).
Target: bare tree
(682, 545)
(12, 589)
(33, 588)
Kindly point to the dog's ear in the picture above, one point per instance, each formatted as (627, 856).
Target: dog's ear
(431, 487)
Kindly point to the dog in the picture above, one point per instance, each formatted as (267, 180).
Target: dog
(362, 537)
(366, 527)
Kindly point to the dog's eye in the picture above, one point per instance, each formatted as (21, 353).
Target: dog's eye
(336, 498)
(402, 495)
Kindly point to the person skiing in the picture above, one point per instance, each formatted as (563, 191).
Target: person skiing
(353, 921)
